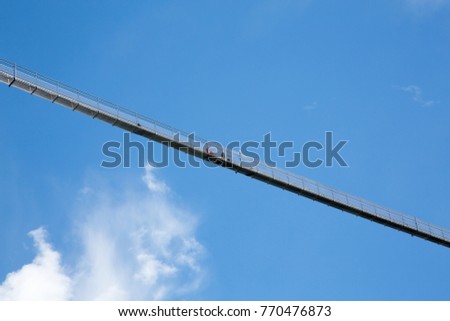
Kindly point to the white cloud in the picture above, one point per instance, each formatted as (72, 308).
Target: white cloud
(153, 184)
(137, 246)
(43, 279)
(416, 93)
(134, 244)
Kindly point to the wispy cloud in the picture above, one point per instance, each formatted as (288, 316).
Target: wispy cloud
(135, 245)
(416, 93)
(153, 184)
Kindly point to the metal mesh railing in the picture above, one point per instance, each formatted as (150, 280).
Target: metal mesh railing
(10, 72)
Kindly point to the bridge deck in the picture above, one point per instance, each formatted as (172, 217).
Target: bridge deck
(95, 107)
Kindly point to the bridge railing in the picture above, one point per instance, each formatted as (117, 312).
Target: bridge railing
(56, 89)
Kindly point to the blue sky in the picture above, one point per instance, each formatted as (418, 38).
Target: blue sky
(374, 73)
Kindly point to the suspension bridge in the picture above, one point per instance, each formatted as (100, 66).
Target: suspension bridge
(95, 107)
